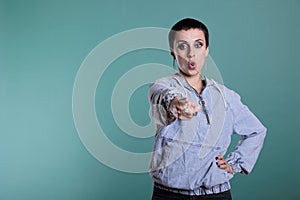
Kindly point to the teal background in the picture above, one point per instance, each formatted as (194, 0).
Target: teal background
(43, 43)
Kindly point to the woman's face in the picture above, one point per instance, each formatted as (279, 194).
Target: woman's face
(190, 51)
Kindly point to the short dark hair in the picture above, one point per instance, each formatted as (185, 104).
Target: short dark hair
(186, 24)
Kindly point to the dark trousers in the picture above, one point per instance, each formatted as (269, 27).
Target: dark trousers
(159, 194)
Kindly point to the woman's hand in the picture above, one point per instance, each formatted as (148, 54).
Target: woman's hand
(223, 164)
(184, 109)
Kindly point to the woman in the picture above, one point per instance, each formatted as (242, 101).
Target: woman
(195, 118)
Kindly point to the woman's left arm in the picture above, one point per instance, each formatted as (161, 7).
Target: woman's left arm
(252, 134)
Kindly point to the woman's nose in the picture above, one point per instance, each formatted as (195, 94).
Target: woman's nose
(190, 53)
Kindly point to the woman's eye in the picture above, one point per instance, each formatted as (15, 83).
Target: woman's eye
(198, 45)
(182, 46)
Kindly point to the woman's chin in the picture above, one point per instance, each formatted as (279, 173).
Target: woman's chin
(189, 72)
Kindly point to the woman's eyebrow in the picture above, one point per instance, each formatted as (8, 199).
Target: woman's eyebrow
(187, 42)
(181, 41)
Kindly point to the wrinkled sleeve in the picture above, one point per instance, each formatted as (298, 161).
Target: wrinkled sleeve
(252, 133)
(160, 95)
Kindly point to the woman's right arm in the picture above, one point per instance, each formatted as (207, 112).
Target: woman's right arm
(167, 103)
(160, 97)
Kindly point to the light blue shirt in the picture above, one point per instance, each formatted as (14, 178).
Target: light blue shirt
(183, 159)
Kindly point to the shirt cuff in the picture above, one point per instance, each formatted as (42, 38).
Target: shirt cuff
(168, 98)
(235, 165)
(236, 168)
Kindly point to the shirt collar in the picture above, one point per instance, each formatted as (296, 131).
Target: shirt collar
(206, 81)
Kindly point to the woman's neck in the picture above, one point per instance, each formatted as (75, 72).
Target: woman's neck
(194, 81)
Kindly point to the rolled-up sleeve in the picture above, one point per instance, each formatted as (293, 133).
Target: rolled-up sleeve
(160, 95)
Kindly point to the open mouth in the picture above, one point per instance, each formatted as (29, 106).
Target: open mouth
(191, 65)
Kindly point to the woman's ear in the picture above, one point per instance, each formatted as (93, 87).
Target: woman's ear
(172, 54)
(207, 52)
